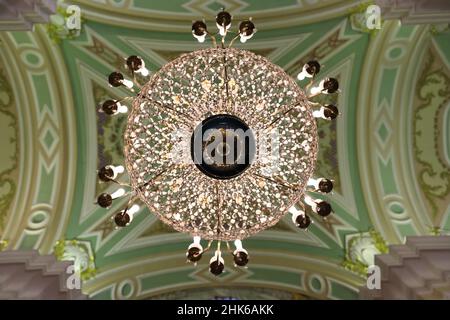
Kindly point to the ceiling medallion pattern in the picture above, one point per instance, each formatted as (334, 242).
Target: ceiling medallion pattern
(220, 143)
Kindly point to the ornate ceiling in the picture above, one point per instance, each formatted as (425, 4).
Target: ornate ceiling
(389, 152)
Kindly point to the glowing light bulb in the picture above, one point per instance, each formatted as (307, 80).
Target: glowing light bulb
(118, 193)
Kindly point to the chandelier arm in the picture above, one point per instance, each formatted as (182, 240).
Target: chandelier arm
(120, 183)
(213, 38)
(314, 95)
(309, 84)
(223, 37)
(137, 84)
(314, 104)
(130, 89)
(182, 114)
(226, 77)
(232, 40)
(292, 107)
(229, 248)
(126, 98)
(218, 245)
(153, 178)
(208, 246)
(132, 199)
(219, 209)
(280, 117)
(283, 184)
(126, 194)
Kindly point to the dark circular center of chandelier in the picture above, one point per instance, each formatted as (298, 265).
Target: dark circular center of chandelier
(222, 146)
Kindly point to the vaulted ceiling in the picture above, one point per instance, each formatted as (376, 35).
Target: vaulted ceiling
(389, 152)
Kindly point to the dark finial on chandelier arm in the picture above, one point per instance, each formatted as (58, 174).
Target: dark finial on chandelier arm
(124, 217)
(116, 79)
(326, 86)
(240, 255)
(246, 30)
(136, 65)
(195, 250)
(105, 200)
(217, 264)
(327, 112)
(106, 173)
(300, 218)
(319, 206)
(121, 219)
(321, 185)
(200, 30)
(223, 22)
(309, 70)
(109, 173)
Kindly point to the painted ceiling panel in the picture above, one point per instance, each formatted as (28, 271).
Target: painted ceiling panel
(388, 152)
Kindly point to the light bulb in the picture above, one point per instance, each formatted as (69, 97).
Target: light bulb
(295, 213)
(222, 30)
(244, 37)
(319, 113)
(132, 211)
(121, 108)
(302, 75)
(246, 30)
(217, 257)
(309, 70)
(199, 31)
(196, 243)
(143, 71)
(238, 244)
(127, 83)
(200, 38)
(118, 169)
(223, 22)
(318, 89)
(118, 193)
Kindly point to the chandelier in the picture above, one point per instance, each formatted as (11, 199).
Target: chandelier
(220, 144)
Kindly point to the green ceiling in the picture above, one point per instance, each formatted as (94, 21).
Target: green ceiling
(389, 152)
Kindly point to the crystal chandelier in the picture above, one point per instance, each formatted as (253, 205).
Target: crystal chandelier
(220, 144)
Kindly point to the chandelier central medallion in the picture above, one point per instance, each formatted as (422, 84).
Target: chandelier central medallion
(222, 146)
